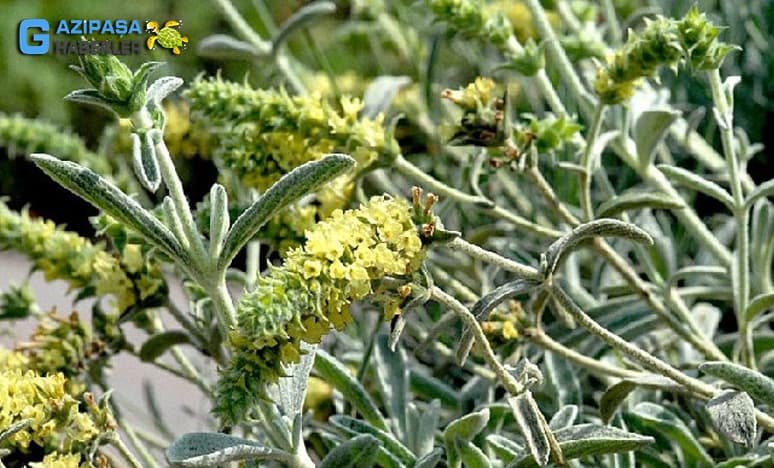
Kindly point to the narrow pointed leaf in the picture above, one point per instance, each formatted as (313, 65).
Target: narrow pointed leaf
(336, 374)
(109, 198)
(300, 181)
(649, 131)
(219, 218)
(392, 445)
(565, 417)
(14, 428)
(225, 47)
(758, 305)
(733, 415)
(505, 449)
(766, 189)
(430, 460)
(159, 344)
(393, 374)
(470, 455)
(636, 201)
(289, 393)
(146, 166)
(300, 19)
(564, 379)
(617, 393)
(586, 440)
(756, 384)
(698, 183)
(486, 304)
(358, 452)
(464, 428)
(598, 228)
(525, 410)
(205, 449)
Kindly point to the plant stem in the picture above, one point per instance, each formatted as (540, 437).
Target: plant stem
(588, 161)
(540, 338)
(519, 269)
(224, 306)
(150, 462)
(124, 451)
(741, 278)
(175, 187)
(242, 28)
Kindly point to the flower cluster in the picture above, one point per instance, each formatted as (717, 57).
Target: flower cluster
(471, 19)
(65, 255)
(483, 122)
(312, 292)
(691, 40)
(56, 424)
(17, 302)
(264, 134)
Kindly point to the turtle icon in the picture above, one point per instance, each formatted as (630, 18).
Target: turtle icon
(167, 37)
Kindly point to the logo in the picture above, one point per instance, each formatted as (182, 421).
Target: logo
(38, 36)
(40, 42)
(168, 37)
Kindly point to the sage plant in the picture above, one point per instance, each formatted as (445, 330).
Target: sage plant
(495, 258)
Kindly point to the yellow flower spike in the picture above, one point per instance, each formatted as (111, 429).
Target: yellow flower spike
(312, 268)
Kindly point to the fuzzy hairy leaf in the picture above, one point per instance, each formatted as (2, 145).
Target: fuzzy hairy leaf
(635, 201)
(585, 440)
(733, 415)
(470, 455)
(486, 304)
(210, 449)
(464, 428)
(598, 228)
(649, 131)
(526, 412)
(290, 391)
(617, 393)
(756, 384)
(336, 374)
(360, 451)
(380, 93)
(392, 445)
(292, 186)
(393, 375)
(758, 305)
(104, 195)
(226, 47)
(698, 183)
(430, 460)
(158, 344)
(563, 418)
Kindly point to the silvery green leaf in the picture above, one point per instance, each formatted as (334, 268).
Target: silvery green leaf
(655, 419)
(597, 228)
(380, 93)
(146, 166)
(733, 415)
(505, 449)
(161, 88)
(429, 388)
(599, 146)
(764, 190)
(336, 374)
(486, 304)
(754, 383)
(617, 393)
(564, 379)
(14, 428)
(649, 130)
(636, 200)
(292, 186)
(529, 420)
(210, 449)
(290, 391)
(89, 96)
(698, 183)
(219, 218)
(173, 221)
(109, 198)
(464, 428)
(301, 19)
(392, 445)
(565, 417)
(758, 305)
(159, 343)
(421, 427)
(359, 452)
(226, 47)
(429, 460)
(394, 381)
(470, 455)
(586, 440)
(696, 272)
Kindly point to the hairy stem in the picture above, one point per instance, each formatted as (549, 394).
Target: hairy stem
(519, 269)
(588, 161)
(741, 278)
